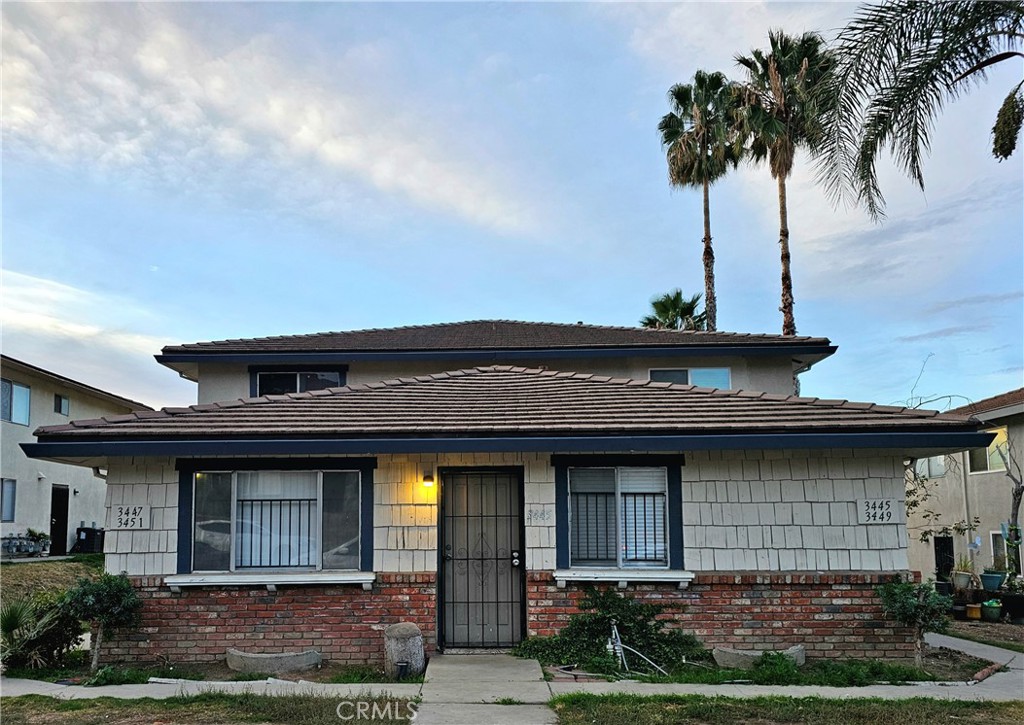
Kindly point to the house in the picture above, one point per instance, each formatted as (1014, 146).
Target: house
(52, 498)
(475, 478)
(972, 484)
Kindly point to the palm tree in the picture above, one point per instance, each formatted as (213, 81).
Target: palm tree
(897, 63)
(783, 101)
(699, 136)
(671, 311)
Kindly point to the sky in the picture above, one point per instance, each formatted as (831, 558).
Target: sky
(184, 172)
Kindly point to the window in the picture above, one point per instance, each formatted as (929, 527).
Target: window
(281, 383)
(618, 517)
(701, 377)
(988, 459)
(61, 404)
(8, 494)
(14, 401)
(276, 520)
(934, 467)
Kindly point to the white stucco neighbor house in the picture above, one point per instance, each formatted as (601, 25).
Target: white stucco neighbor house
(53, 498)
(972, 485)
(476, 477)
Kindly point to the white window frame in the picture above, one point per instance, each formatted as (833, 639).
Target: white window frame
(10, 407)
(256, 571)
(923, 467)
(618, 565)
(728, 372)
(14, 499)
(298, 378)
(989, 452)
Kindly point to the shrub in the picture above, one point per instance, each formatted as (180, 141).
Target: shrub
(583, 640)
(108, 602)
(39, 631)
(917, 606)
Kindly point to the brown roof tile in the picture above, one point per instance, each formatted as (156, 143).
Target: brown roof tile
(1003, 400)
(501, 399)
(487, 335)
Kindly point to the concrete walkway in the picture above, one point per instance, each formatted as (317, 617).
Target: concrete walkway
(464, 689)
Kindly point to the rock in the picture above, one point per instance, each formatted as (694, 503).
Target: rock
(268, 664)
(403, 642)
(744, 659)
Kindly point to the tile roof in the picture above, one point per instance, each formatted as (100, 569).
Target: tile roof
(6, 361)
(487, 335)
(1003, 400)
(507, 401)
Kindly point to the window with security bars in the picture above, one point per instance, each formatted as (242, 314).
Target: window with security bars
(276, 520)
(618, 517)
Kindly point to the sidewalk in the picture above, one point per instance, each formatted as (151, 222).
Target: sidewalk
(464, 688)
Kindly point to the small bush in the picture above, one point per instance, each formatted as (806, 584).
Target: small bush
(38, 632)
(108, 602)
(582, 641)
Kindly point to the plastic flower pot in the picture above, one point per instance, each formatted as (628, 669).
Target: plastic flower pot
(990, 613)
(960, 612)
(962, 579)
(992, 580)
(974, 611)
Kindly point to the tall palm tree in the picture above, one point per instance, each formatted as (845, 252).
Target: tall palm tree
(897, 64)
(699, 137)
(673, 312)
(783, 98)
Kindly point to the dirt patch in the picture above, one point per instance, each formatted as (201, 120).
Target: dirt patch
(990, 631)
(951, 666)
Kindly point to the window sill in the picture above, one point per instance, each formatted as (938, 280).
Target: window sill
(624, 576)
(271, 580)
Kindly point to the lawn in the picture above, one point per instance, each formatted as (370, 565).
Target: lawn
(25, 578)
(212, 709)
(997, 634)
(583, 709)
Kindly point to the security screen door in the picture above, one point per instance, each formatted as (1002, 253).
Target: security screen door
(482, 565)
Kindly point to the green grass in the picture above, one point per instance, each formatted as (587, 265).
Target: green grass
(584, 709)
(210, 708)
(76, 667)
(1015, 646)
(508, 701)
(357, 674)
(826, 673)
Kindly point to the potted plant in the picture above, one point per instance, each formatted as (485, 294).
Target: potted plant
(1012, 597)
(991, 610)
(959, 608)
(40, 541)
(943, 586)
(963, 572)
(993, 576)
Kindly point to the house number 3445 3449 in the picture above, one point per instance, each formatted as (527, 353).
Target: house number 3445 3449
(878, 511)
(130, 517)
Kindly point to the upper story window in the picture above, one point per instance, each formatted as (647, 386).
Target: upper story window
(701, 377)
(618, 517)
(61, 404)
(283, 382)
(8, 495)
(248, 520)
(988, 459)
(15, 400)
(933, 467)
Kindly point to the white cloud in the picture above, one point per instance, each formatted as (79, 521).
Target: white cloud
(98, 339)
(130, 90)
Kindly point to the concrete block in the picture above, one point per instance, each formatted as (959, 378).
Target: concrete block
(268, 664)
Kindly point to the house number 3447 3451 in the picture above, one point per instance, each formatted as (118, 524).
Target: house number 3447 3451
(130, 517)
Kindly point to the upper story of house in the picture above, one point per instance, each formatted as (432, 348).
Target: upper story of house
(230, 369)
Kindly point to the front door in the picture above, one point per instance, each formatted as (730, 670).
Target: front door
(59, 521)
(481, 558)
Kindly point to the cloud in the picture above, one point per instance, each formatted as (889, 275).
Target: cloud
(987, 299)
(98, 339)
(954, 331)
(128, 90)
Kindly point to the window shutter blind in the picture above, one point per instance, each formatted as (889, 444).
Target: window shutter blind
(642, 492)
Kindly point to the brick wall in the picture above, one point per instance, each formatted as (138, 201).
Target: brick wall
(833, 615)
(344, 622)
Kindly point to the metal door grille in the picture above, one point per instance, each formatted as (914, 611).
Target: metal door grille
(481, 559)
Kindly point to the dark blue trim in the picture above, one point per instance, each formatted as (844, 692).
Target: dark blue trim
(961, 440)
(561, 517)
(366, 517)
(639, 459)
(191, 465)
(499, 356)
(185, 493)
(675, 517)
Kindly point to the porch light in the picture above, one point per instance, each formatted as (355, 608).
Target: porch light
(428, 479)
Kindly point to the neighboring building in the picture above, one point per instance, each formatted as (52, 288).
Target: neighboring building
(49, 497)
(969, 485)
(478, 503)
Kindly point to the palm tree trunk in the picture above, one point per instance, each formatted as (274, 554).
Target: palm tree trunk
(788, 321)
(710, 303)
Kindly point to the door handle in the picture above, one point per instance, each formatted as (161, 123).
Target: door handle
(515, 558)
(448, 557)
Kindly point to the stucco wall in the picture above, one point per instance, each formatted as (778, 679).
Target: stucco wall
(36, 479)
(742, 511)
(769, 374)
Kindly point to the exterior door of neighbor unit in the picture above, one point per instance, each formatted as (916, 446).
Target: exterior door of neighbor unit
(59, 520)
(943, 556)
(481, 589)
